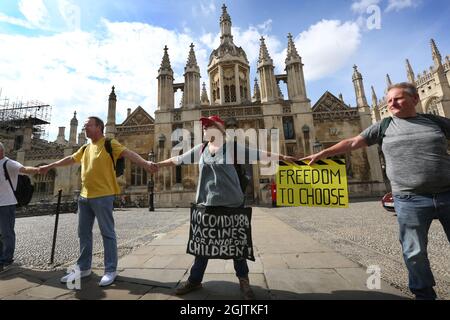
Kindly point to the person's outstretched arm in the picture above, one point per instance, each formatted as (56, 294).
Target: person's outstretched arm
(167, 163)
(29, 170)
(138, 160)
(341, 147)
(67, 161)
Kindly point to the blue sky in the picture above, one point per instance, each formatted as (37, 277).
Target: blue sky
(69, 53)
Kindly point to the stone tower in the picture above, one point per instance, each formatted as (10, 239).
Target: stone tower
(365, 119)
(228, 69)
(191, 81)
(165, 84)
(110, 128)
(73, 130)
(295, 76)
(268, 84)
(361, 101)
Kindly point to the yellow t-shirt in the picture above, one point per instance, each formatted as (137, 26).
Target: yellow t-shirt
(98, 178)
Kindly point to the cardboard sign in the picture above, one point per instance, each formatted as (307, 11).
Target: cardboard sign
(322, 185)
(221, 233)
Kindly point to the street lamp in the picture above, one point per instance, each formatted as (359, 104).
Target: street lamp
(151, 184)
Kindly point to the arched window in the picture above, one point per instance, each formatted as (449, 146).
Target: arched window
(288, 128)
(233, 93)
(227, 93)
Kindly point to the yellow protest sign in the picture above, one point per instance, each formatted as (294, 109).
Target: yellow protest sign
(323, 184)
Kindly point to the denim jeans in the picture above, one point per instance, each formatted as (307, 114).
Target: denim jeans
(415, 214)
(200, 263)
(8, 236)
(102, 209)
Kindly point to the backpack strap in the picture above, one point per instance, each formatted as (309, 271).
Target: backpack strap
(108, 148)
(7, 175)
(203, 147)
(439, 121)
(383, 127)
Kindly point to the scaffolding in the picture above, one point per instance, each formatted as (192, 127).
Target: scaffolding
(16, 115)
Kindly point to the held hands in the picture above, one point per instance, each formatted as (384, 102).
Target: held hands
(312, 158)
(151, 167)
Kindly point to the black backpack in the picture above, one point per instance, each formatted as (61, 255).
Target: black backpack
(436, 119)
(244, 178)
(24, 190)
(119, 165)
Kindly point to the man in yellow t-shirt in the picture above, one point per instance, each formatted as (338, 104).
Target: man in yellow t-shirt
(98, 189)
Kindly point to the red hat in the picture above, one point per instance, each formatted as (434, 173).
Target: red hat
(212, 120)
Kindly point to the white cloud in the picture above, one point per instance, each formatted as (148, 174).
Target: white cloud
(326, 47)
(35, 12)
(397, 5)
(266, 26)
(70, 13)
(361, 6)
(15, 21)
(75, 70)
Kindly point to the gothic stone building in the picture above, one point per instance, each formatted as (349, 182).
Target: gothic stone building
(303, 128)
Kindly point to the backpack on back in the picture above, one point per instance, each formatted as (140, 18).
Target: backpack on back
(24, 190)
(119, 165)
(385, 122)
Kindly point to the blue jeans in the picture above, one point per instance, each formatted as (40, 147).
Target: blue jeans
(200, 263)
(415, 214)
(102, 209)
(8, 236)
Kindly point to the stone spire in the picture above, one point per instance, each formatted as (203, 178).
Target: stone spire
(257, 93)
(341, 97)
(204, 98)
(191, 64)
(165, 84)
(374, 98)
(110, 128)
(294, 70)
(292, 54)
(388, 81)
(191, 81)
(264, 57)
(357, 78)
(437, 58)
(225, 26)
(73, 130)
(268, 83)
(165, 64)
(410, 72)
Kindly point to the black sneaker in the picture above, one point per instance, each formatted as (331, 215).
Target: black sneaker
(187, 287)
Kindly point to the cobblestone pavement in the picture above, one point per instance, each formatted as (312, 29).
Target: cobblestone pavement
(368, 235)
(134, 227)
(365, 233)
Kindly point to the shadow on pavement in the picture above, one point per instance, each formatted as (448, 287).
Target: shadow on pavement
(127, 288)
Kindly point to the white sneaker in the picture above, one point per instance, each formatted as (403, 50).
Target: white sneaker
(108, 279)
(74, 274)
